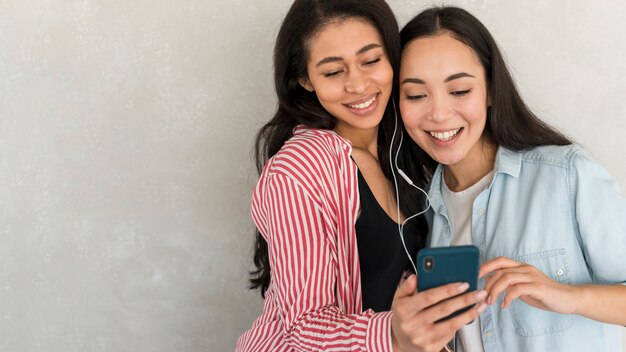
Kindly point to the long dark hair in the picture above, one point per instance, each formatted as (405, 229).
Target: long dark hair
(297, 106)
(510, 123)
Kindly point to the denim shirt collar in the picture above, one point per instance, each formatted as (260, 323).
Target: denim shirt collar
(507, 162)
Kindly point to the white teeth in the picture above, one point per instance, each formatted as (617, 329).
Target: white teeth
(364, 105)
(445, 136)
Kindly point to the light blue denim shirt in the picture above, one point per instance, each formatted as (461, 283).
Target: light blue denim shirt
(554, 208)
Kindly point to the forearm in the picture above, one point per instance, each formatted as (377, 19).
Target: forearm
(330, 330)
(605, 303)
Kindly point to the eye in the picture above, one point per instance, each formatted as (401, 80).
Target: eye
(416, 97)
(371, 62)
(331, 74)
(460, 93)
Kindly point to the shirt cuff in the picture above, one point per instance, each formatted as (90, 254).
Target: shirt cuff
(378, 336)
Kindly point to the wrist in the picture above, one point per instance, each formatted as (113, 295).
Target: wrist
(394, 342)
(579, 298)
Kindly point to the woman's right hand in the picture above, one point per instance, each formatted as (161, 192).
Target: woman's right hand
(413, 325)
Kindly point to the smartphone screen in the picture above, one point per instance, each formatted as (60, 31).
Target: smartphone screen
(443, 265)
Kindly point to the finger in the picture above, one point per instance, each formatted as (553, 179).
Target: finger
(495, 264)
(466, 317)
(407, 288)
(444, 309)
(504, 282)
(515, 292)
(491, 279)
(433, 296)
(452, 325)
(532, 294)
(403, 292)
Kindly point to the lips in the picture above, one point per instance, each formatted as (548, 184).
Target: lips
(445, 136)
(365, 105)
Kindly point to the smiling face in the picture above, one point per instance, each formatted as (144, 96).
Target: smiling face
(350, 73)
(444, 99)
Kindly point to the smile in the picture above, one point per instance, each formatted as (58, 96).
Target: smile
(363, 105)
(446, 135)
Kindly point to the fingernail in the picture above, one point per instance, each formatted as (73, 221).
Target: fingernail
(481, 308)
(481, 294)
(463, 287)
(489, 300)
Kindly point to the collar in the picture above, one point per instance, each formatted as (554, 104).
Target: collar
(507, 162)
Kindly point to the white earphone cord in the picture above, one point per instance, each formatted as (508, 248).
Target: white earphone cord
(408, 180)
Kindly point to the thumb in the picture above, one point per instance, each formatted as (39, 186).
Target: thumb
(407, 288)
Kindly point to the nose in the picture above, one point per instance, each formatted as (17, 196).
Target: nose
(357, 82)
(440, 109)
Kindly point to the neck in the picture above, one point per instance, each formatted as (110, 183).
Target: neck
(478, 163)
(363, 139)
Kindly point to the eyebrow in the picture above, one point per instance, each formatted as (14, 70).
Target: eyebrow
(457, 76)
(448, 79)
(338, 58)
(413, 80)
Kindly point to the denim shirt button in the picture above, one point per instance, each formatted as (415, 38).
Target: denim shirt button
(560, 272)
(488, 333)
(481, 212)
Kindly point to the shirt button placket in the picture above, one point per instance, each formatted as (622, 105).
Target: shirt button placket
(479, 221)
(490, 342)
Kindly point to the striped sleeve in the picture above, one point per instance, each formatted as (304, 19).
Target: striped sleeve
(304, 273)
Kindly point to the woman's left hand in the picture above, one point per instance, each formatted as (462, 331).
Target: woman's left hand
(524, 281)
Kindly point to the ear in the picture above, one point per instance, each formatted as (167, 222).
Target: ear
(304, 82)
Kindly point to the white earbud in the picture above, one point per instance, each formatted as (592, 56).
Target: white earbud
(404, 176)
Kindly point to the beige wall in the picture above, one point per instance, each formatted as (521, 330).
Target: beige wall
(125, 169)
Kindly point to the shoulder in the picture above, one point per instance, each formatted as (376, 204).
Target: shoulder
(318, 141)
(310, 157)
(309, 148)
(565, 156)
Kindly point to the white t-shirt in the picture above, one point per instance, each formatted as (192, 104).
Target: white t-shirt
(459, 206)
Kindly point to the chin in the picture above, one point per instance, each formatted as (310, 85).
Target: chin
(446, 160)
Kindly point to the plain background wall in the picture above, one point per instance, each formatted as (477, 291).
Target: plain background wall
(125, 139)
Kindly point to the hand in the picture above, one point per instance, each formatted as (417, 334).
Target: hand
(524, 281)
(413, 326)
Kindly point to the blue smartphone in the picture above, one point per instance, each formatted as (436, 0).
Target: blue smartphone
(443, 265)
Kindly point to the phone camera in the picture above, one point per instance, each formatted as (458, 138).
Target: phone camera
(429, 263)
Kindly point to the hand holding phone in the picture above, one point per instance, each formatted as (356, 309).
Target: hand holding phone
(443, 265)
(416, 320)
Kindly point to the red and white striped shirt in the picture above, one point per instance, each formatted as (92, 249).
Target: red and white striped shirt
(305, 205)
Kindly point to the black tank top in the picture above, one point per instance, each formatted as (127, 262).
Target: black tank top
(381, 255)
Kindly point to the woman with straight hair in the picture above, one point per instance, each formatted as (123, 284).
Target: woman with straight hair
(329, 254)
(550, 222)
